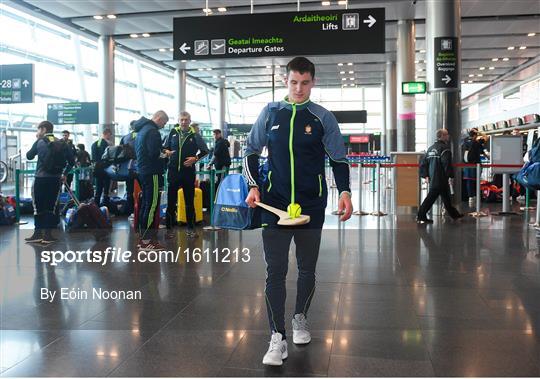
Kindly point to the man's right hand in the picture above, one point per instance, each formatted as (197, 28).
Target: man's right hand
(253, 196)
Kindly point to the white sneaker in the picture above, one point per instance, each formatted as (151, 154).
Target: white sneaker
(277, 351)
(301, 334)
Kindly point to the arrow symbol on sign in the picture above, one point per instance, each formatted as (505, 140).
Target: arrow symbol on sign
(26, 83)
(184, 48)
(370, 21)
(446, 79)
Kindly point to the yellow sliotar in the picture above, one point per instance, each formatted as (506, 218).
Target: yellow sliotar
(294, 210)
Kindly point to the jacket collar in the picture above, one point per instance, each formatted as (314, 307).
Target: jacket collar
(285, 103)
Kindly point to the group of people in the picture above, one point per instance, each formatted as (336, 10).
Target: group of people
(177, 155)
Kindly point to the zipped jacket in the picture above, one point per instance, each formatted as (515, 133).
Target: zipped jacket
(298, 137)
(437, 164)
(184, 144)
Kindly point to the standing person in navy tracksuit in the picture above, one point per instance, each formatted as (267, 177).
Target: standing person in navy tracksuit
(51, 170)
(182, 146)
(150, 174)
(103, 182)
(298, 135)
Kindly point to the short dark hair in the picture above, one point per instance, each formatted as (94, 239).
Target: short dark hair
(301, 65)
(47, 125)
(80, 146)
(216, 131)
(65, 131)
(473, 132)
(107, 131)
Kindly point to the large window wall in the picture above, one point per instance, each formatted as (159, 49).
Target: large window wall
(66, 69)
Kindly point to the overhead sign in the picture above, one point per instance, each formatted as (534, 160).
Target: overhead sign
(359, 139)
(351, 117)
(413, 88)
(16, 83)
(446, 62)
(353, 31)
(73, 113)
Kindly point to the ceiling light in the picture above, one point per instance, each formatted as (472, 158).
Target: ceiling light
(277, 66)
(531, 34)
(492, 68)
(162, 50)
(422, 51)
(340, 64)
(268, 66)
(416, 62)
(171, 49)
(343, 78)
(351, 72)
(207, 10)
(325, 3)
(200, 69)
(233, 82)
(522, 47)
(98, 17)
(209, 69)
(222, 9)
(463, 82)
(494, 59)
(345, 85)
(342, 72)
(511, 47)
(351, 78)
(471, 75)
(470, 81)
(193, 60)
(215, 76)
(183, 60)
(349, 64)
(111, 16)
(482, 68)
(506, 59)
(480, 75)
(133, 35)
(342, 2)
(146, 35)
(222, 76)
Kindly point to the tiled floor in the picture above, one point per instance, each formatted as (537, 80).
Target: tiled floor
(393, 299)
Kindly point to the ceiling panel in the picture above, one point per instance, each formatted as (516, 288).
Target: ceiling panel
(488, 28)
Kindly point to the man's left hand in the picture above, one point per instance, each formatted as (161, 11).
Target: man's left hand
(190, 161)
(345, 207)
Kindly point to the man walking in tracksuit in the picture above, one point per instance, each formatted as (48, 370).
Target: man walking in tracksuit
(150, 173)
(221, 159)
(55, 160)
(436, 167)
(182, 146)
(298, 135)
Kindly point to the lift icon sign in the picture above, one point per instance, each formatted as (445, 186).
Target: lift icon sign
(351, 21)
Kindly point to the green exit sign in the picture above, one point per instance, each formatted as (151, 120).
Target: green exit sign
(413, 88)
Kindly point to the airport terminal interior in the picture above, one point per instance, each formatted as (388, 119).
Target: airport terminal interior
(397, 293)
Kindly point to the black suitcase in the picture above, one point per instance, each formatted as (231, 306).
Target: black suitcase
(204, 185)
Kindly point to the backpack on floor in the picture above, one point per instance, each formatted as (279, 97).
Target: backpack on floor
(230, 209)
(529, 176)
(7, 212)
(86, 215)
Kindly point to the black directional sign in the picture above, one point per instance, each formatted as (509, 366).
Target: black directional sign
(73, 113)
(16, 83)
(446, 62)
(353, 31)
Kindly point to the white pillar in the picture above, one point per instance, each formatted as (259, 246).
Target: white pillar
(106, 80)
